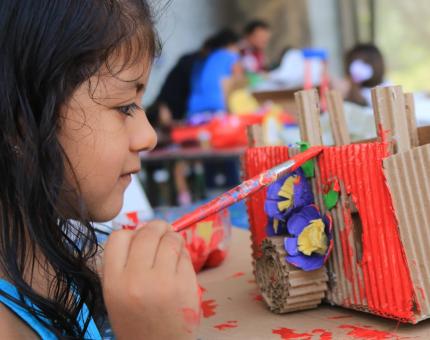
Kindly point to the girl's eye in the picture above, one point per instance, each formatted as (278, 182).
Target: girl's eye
(128, 110)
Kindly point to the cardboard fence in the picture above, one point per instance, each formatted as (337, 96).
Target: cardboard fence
(377, 194)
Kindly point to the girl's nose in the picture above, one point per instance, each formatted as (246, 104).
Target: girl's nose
(142, 134)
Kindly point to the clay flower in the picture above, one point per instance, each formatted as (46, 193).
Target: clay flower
(311, 238)
(287, 194)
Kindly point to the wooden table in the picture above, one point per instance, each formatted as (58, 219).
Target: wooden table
(192, 153)
(234, 309)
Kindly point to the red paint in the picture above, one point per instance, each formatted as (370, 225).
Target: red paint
(132, 216)
(337, 317)
(228, 324)
(381, 281)
(324, 334)
(288, 333)
(215, 258)
(191, 317)
(252, 281)
(236, 275)
(368, 333)
(208, 308)
(258, 297)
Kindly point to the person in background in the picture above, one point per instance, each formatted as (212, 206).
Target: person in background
(364, 69)
(176, 88)
(252, 48)
(161, 119)
(208, 78)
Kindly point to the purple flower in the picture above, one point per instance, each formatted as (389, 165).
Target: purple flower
(311, 238)
(276, 227)
(288, 194)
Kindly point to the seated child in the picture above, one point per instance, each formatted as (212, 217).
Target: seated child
(71, 81)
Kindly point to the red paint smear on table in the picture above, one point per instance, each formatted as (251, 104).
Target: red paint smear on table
(257, 160)
(236, 275)
(288, 333)
(208, 308)
(258, 297)
(368, 333)
(382, 277)
(324, 334)
(224, 326)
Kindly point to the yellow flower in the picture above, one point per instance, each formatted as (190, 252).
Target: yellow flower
(287, 192)
(313, 238)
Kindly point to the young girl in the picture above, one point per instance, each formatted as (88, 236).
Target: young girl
(72, 74)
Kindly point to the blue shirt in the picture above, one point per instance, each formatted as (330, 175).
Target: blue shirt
(206, 82)
(37, 326)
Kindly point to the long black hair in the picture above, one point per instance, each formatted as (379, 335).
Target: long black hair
(47, 49)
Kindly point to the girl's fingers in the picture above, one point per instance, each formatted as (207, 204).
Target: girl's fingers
(168, 253)
(185, 265)
(116, 252)
(143, 248)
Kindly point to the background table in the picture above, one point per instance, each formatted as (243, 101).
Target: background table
(234, 310)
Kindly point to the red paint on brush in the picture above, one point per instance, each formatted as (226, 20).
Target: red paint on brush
(324, 334)
(228, 324)
(381, 280)
(288, 333)
(208, 308)
(368, 333)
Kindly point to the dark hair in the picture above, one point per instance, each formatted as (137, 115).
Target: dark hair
(371, 55)
(48, 48)
(222, 38)
(251, 26)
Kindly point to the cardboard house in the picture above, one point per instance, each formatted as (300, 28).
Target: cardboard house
(380, 261)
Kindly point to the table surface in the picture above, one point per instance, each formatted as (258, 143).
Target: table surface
(191, 153)
(233, 309)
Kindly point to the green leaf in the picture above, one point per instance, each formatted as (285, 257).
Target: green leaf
(330, 199)
(308, 167)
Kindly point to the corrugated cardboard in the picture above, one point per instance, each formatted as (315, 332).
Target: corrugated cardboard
(407, 176)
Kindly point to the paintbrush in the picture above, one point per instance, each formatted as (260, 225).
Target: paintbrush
(245, 189)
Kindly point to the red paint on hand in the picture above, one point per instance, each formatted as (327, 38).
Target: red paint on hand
(228, 324)
(191, 317)
(368, 333)
(288, 333)
(208, 308)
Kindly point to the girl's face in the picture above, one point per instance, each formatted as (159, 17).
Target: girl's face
(102, 131)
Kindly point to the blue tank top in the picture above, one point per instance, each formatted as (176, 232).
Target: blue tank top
(37, 326)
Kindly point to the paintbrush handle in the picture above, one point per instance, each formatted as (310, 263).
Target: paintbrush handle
(245, 189)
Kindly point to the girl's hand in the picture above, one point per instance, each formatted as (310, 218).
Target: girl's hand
(149, 284)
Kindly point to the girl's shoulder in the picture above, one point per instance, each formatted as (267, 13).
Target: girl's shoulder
(12, 327)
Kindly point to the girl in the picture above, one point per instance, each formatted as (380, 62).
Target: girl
(72, 74)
